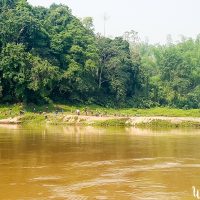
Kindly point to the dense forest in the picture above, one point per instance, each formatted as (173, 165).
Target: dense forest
(49, 55)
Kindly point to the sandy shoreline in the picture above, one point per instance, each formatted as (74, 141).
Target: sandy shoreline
(90, 120)
(15, 120)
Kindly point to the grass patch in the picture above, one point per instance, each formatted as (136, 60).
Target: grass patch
(7, 111)
(13, 110)
(168, 124)
(130, 112)
(112, 122)
(30, 118)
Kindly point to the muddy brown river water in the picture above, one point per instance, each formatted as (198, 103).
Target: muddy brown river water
(85, 163)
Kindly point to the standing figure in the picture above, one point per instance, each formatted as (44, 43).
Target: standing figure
(86, 111)
(78, 112)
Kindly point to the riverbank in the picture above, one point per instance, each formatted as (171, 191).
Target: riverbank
(64, 119)
(156, 121)
(98, 116)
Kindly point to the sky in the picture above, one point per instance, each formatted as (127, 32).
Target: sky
(152, 19)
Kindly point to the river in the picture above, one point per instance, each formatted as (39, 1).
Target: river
(86, 163)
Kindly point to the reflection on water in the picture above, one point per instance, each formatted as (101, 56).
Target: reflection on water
(98, 163)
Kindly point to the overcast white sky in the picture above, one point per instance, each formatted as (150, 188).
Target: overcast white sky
(151, 18)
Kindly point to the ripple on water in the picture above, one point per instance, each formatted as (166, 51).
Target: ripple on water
(121, 172)
(46, 178)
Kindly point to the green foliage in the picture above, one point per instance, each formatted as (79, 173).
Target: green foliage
(25, 77)
(112, 122)
(14, 66)
(30, 118)
(88, 23)
(172, 73)
(169, 124)
(47, 54)
(116, 73)
(18, 25)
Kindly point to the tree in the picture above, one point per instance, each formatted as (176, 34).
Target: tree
(23, 74)
(116, 73)
(88, 23)
(18, 25)
(49, 54)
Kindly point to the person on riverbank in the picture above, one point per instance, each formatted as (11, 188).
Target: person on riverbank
(86, 111)
(78, 112)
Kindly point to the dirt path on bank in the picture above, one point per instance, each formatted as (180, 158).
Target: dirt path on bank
(92, 119)
(15, 120)
(175, 120)
(133, 120)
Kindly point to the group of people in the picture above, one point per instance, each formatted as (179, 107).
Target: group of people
(78, 112)
(87, 112)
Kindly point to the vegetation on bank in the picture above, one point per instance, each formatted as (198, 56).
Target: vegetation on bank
(112, 122)
(58, 114)
(48, 55)
(168, 124)
(14, 110)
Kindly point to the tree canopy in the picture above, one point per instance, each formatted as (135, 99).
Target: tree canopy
(47, 54)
